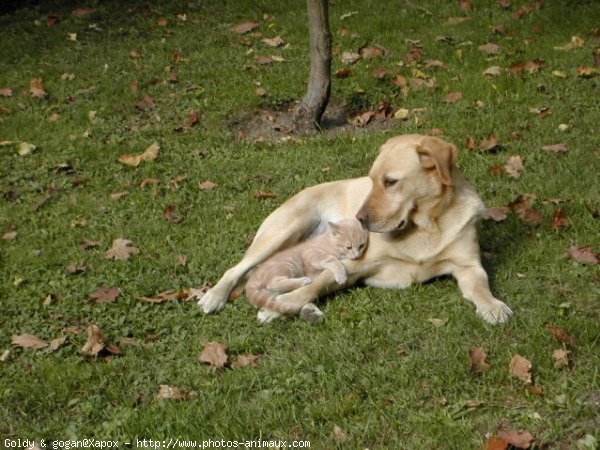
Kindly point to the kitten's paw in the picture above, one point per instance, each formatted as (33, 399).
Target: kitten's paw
(212, 302)
(311, 313)
(305, 281)
(267, 315)
(495, 312)
(341, 278)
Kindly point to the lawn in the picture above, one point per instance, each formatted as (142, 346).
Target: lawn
(82, 85)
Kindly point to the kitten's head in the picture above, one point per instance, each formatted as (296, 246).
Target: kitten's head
(349, 237)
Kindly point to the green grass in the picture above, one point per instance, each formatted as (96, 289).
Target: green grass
(376, 367)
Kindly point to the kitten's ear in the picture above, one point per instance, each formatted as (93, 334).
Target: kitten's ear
(335, 230)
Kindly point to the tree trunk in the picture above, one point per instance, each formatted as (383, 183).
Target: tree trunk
(307, 114)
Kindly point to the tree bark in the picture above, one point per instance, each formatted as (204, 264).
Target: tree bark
(307, 115)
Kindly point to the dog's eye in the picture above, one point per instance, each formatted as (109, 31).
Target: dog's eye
(389, 182)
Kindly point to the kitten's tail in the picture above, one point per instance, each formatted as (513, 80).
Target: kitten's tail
(263, 298)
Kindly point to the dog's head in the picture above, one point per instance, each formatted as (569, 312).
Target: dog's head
(409, 177)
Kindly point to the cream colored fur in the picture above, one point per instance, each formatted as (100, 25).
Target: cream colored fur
(421, 214)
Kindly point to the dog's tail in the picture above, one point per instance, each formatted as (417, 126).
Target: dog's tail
(261, 297)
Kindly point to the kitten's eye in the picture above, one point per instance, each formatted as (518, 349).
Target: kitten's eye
(348, 247)
(389, 182)
(361, 246)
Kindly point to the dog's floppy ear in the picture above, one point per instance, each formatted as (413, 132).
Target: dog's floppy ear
(438, 154)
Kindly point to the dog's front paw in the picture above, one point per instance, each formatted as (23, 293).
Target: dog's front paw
(212, 302)
(311, 312)
(266, 315)
(494, 312)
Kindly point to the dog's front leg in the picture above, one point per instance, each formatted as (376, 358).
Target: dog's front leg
(473, 283)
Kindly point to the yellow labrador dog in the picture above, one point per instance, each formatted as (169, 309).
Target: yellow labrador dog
(421, 214)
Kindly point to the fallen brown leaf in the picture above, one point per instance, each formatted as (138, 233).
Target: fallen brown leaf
(521, 368)
(344, 72)
(121, 249)
(87, 244)
(105, 295)
(208, 185)
(561, 358)
(514, 165)
(559, 220)
(6, 92)
(489, 143)
(28, 341)
(453, 97)
(166, 296)
(362, 119)
(456, 20)
(277, 41)
(496, 213)
(36, 88)
(150, 154)
(95, 343)
(245, 27)
(477, 356)
(11, 235)
(263, 194)
(339, 434)
(490, 49)
(583, 255)
(372, 52)
(166, 392)
(519, 439)
(246, 360)
(561, 335)
(495, 443)
(55, 344)
(350, 57)
(557, 148)
(214, 353)
(83, 12)
(168, 214)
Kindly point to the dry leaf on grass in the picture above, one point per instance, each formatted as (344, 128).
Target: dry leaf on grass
(583, 255)
(519, 439)
(36, 88)
(150, 154)
(477, 356)
(208, 185)
(494, 443)
(214, 353)
(496, 213)
(264, 195)
(28, 341)
(490, 49)
(55, 344)
(556, 148)
(350, 57)
(520, 367)
(105, 295)
(97, 344)
(167, 296)
(514, 165)
(339, 434)
(559, 220)
(489, 143)
(453, 97)
(245, 27)
(6, 92)
(121, 249)
(277, 41)
(561, 358)
(166, 392)
(168, 214)
(246, 361)
(561, 335)
(9, 236)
